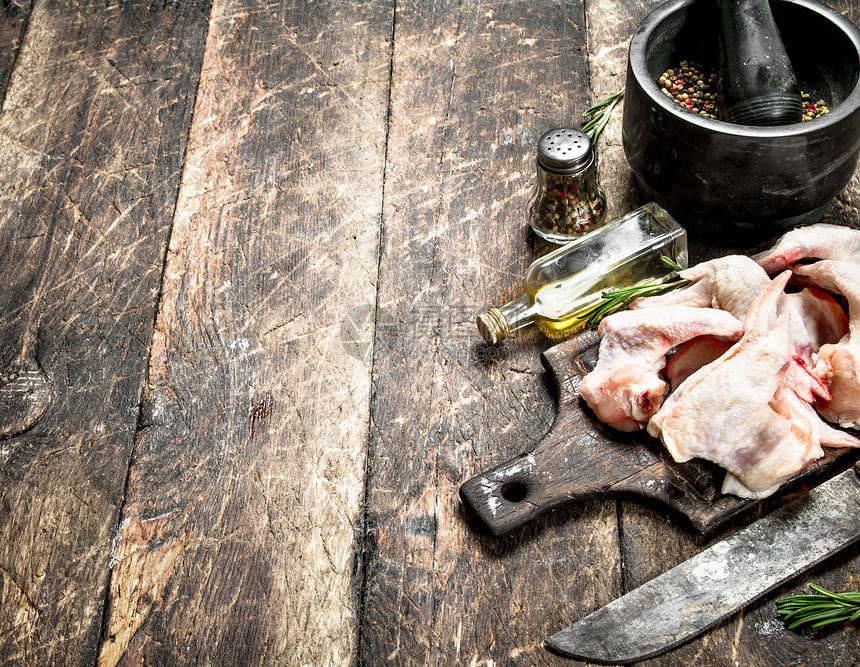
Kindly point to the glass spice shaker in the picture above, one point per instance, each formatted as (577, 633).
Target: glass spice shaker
(567, 200)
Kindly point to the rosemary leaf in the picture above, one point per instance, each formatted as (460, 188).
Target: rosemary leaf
(600, 113)
(843, 598)
(671, 263)
(617, 299)
(820, 619)
(817, 611)
(602, 103)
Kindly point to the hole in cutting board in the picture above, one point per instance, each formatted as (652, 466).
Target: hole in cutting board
(514, 492)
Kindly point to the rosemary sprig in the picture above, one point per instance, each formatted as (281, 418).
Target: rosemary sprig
(819, 610)
(614, 300)
(600, 112)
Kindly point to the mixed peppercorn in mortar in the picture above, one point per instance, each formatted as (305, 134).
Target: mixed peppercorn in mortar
(696, 89)
(691, 87)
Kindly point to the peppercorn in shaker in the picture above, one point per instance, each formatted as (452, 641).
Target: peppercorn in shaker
(567, 200)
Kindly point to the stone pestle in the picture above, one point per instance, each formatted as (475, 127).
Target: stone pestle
(759, 86)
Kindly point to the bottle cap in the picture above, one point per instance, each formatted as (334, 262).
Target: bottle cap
(565, 151)
(493, 326)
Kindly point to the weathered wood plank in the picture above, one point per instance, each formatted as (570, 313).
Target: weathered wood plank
(92, 135)
(610, 26)
(242, 539)
(238, 536)
(475, 85)
(13, 21)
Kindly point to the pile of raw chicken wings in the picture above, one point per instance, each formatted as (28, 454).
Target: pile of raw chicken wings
(750, 365)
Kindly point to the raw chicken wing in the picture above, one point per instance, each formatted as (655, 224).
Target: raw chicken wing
(824, 319)
(732, 283)
(723, 412)
(839, 364)
(625, 387)
(691, 356)
(729, 283)
(821, 241)
(806, 422)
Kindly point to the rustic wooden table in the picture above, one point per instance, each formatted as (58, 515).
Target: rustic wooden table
(242, 245)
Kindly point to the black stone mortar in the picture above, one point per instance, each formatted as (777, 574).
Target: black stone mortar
(737, 185)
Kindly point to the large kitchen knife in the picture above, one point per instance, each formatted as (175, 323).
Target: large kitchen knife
(697, 594)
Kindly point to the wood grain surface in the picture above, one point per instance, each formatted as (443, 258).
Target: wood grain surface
(242, 246)
(13, 20)
(92, 139)
(238, 536)
(474, 86)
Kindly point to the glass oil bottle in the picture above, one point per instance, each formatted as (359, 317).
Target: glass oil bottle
(563, 287)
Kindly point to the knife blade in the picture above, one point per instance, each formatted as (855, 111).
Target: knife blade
(683, 602)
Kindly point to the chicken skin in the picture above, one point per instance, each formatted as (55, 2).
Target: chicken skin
(734, 369)
(838, 364)
(626, 388)
(732, 283)
(725, 413)
(821, 241)
(729, 283)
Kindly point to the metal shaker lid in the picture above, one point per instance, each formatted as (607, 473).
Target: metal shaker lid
(565, 151)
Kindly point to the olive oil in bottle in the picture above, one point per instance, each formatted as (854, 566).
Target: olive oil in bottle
(563, 287)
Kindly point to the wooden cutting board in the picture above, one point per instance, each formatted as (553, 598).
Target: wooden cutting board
(582, 458)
